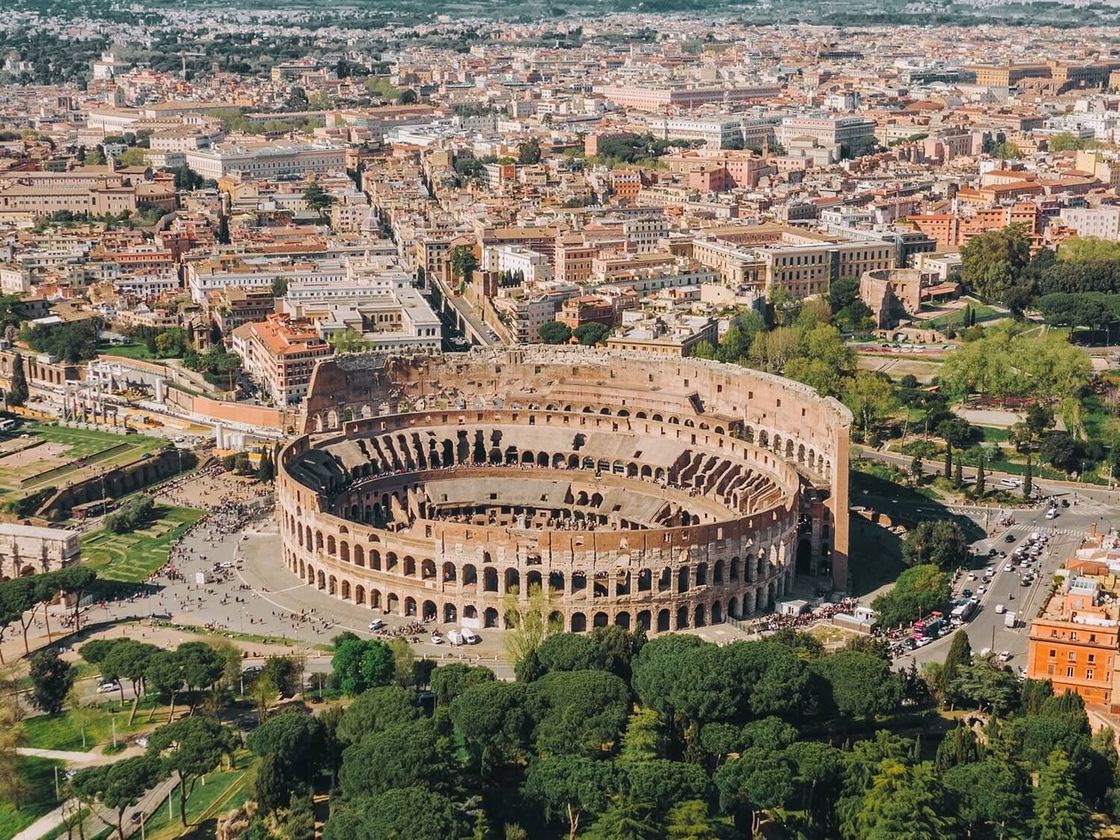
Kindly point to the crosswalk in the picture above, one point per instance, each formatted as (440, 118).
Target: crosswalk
(1051, 530)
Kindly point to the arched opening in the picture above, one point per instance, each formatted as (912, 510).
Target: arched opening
(490, 617)
(662, 621)
(698, 620)
(450, 614)
(682, 579)
(470, 576)
(359, 594)
(644, 620)
(512, 581)
(804, 557)
(623, 620)
(601, 619)
(682, 618)
(489, 579)
(392, 603)
(429, 612)
(410, 606)
(717, 613)
(579, 622)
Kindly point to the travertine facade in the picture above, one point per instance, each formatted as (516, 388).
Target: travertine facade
(636, 490)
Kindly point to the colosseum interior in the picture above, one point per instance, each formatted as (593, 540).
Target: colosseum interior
(633, 490)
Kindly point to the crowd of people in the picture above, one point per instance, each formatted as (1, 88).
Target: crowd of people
(799, 621)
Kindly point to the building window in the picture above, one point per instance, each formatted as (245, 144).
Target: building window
(1069, 671)
(1071, 656)
(1089, 674)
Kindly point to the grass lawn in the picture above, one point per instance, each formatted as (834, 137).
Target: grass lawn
(223, 791)
(956, 317)
(38, 774)
(64, 732)
(68, 455)
(130, 558)
(127, 351)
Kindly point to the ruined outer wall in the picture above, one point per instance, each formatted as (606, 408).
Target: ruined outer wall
(785, 417)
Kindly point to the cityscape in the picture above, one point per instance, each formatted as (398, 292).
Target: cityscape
(614, 421)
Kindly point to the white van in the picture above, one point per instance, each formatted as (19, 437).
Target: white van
(1009, 482)
(469, 638)
(454, 638)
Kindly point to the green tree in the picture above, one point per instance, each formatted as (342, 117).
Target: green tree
(759, 780)
(463, 262)
(348, 340)
(529, 152)
(414, 813)
(1006, 150)
(569, 788)
(450, 681)
(18, 393)
(51, 680)
(918, 591)
(296, 739)
(192, 747)
(360, 664)
(1064, 142)
(591, 333)
(861, 685)
(578, 711)
(554, 332)
(871, 398)
(991, 261)
(842, 293)
(404, 755)
(691, 820)
(990, 794)
(494, 723)
(938, 542)
(317, 198)
(118, 786)
(959, 655)
(376, 710)
(1060, 810)
(904, 803)
(624, 819)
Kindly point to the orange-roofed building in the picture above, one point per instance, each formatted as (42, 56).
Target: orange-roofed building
(279, 354)
(1075, 640)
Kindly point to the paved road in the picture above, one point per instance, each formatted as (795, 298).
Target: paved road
(261, 597)
(987, 630)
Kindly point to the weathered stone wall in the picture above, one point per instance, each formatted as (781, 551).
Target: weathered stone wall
(659, 578)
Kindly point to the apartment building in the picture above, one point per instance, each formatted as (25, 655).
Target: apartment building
(279, 354)
(266, 158)
(529, 265)
(826, 130)
(231, 307)
(667, 97)
(1075, 640)
(1101, 222)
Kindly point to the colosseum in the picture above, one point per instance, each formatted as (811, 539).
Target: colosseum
(632, 489)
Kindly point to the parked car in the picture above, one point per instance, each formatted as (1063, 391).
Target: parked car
(107, 687)
(1000, 609)
(469, 638)
(1004, 656)
(376, 624)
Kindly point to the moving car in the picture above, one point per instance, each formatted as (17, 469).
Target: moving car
(1000, 609)
(1004, 656)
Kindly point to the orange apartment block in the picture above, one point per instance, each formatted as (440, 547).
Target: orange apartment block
(1075, 640)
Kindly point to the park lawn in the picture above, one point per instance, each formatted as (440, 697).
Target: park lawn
(956, 317)
(85, 442)
(223, 791)
(131, 558)
(64, 732)
(38, 773)
(127, 351)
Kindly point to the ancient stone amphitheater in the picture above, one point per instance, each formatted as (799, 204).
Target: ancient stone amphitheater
(632, 489)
